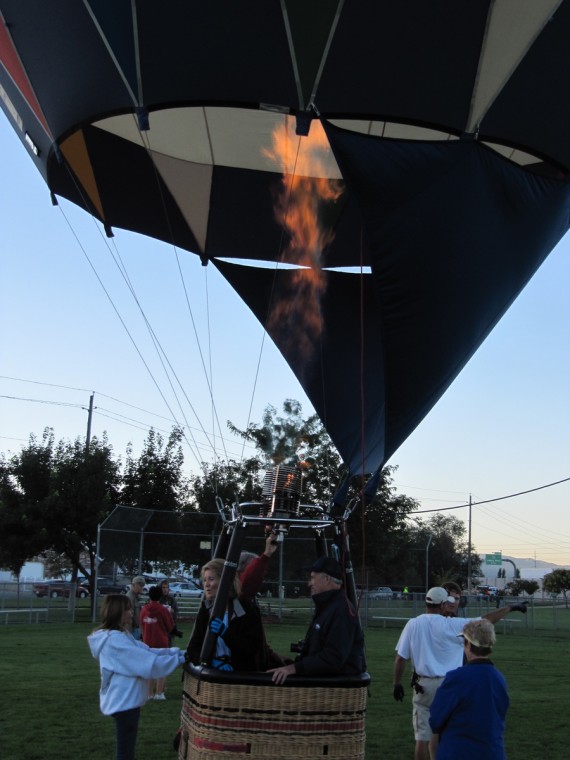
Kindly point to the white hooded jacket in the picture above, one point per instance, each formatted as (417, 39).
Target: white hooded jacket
(127, 666)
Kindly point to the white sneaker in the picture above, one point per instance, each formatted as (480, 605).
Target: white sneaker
(160, 696)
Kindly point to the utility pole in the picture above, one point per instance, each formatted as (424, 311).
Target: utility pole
(89, 417)
(469, 549)
(427, 562)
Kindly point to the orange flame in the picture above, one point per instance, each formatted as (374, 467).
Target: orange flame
(307, 184)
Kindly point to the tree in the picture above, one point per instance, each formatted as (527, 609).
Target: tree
(518, 587)
(448, 550)
(53, 498)
(84, 489)
(378, 525)
(24, 488)
(557, 582)
(281, 438)
(228, 483)
(154, 480)
(56, 565)
(381, 536)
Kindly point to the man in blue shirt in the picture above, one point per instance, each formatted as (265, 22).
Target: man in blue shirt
(469, 709)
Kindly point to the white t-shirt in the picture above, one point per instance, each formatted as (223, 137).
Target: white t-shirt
(433, 643)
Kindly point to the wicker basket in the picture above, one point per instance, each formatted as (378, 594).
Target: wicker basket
(229, 715)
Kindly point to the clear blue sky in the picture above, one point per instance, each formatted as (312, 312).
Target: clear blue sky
(503, 427)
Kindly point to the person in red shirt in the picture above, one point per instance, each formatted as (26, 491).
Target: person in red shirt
(252, 569)
(156, 625)
(251, 572)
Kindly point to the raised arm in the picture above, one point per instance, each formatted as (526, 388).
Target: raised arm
(495, 615)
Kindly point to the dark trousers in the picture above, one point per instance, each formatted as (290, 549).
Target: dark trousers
(126, 725)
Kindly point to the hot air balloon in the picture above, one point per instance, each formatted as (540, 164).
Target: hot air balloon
(440, 175)
(447, 130)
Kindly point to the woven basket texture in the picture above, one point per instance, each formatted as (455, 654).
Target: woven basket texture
(268, 721)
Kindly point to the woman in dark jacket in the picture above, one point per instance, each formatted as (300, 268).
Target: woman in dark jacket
(241, 643)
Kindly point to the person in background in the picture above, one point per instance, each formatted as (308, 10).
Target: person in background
(252, 568)
(133, 594)
(468, 712)
(451, 609)
(126, 667)
(431, 642)
(251, 572)
(168, 601)
(240, 644)
(334, 643)
(156, 626)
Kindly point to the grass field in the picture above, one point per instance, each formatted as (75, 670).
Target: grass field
(50, 707)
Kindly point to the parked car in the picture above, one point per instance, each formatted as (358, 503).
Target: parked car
(382, 592)
(185, 588)
(490, 591)
(57, 588)
(108, 586)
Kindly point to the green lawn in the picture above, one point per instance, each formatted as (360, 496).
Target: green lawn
(50, 705)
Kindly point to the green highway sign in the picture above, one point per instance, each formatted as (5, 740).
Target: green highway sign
(494, 559)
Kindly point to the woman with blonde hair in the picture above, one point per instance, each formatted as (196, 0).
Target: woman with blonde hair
(127, 666)
(240, 644)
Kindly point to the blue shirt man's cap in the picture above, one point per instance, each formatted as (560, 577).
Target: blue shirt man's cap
(328, 566)
(480, 633)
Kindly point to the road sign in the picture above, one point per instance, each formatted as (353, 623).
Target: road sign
(494, 559)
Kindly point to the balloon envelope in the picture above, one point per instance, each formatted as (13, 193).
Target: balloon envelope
(446, 146)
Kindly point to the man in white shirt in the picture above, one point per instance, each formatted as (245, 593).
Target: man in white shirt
(432, 642)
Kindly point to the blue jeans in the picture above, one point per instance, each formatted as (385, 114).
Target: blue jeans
(126, 725)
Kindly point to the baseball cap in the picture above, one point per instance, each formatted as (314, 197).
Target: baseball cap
(139, 579)
(481, 633)
(328, 566)
(438, 595)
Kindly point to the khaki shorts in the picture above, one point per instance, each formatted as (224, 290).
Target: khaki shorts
(421, 704)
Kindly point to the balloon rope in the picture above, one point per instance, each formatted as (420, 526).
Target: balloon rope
(88, 207)
(208, 377)
(362, 419)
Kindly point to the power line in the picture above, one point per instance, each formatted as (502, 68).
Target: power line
(85, 390)
(490, 501)
(523, 525)
(39, 382)
(116, 416)
(42, 401)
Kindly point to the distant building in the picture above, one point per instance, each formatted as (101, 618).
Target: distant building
(32, 571)
(530, 570)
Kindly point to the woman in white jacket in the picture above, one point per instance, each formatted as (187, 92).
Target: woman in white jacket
(127, 666)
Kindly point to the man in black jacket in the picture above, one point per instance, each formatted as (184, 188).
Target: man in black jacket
(334, 644)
